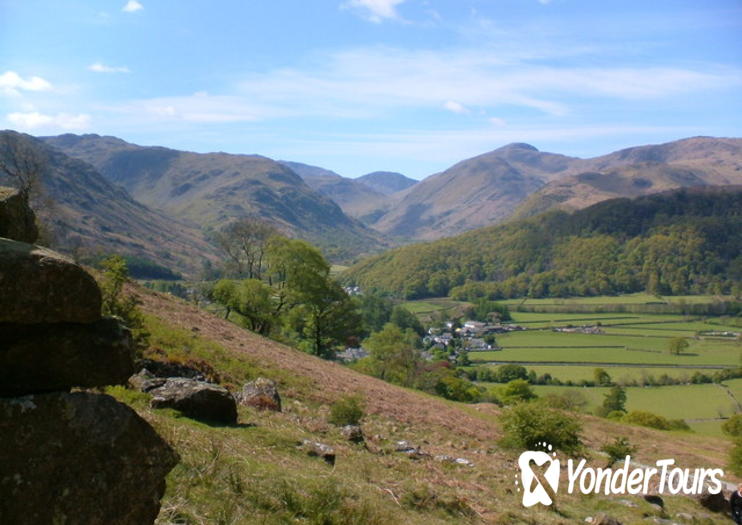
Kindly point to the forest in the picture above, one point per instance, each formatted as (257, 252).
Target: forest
(687, 241)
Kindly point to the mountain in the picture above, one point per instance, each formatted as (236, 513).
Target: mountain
(642, 170)
(87, 212)
(472, 193)
(210, 190)
(355, 198)
(683, 241)
(518, 180)
(386, 182)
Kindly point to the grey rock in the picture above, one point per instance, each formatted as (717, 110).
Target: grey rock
(713, 502)
(262, 393)
(17, 219)
(38, 285)
(604, 519)
(79, 458)
(316, 449)
(195, 399)
(58, 356)
(353, 433)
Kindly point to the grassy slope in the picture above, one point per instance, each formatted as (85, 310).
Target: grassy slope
(254, 473)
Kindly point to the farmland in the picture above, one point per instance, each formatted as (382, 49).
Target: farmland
(632, 346)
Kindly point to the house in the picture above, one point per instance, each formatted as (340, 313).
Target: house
(352, 354)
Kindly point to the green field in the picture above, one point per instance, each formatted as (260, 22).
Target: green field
(698, 401)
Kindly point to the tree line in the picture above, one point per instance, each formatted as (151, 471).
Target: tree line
(683, 242)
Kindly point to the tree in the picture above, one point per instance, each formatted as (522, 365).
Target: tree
(244, 244)
(116, 303)
(517, 390)
(677, 345)
(526, 425)
(405, 319)
(21, 162)
(392, 355)
(614, 401)
(375, 309)
(601, 377)
(510, 372)
(251, 299)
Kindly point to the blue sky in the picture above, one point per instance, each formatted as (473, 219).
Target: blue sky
(362, 85)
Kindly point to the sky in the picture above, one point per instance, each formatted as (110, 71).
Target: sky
(362, 85)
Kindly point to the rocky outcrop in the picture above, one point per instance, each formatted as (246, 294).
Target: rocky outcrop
(38, 285)
(68, 457)
(17, 220)
(47, 357)
(261, 393)
(195, 399)
(713, 502)
(79, 458)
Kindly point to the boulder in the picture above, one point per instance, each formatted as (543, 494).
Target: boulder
(79, 458)
(604, 519)
(353, 433)
(58, 356)
(261, 393)
(713, 502)
(171, 369)
(17, 219)
(195, 399)
(38, 285)
(320, 450)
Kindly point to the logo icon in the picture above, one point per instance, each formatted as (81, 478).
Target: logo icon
(539, 475)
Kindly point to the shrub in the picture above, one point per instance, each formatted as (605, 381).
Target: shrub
(618, 450)
(648, 419)
(572, 400)
(735, 458)
(527, 424)
(515, 391)
(347, 410)
(733, 426)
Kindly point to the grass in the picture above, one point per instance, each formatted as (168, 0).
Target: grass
(699, 401)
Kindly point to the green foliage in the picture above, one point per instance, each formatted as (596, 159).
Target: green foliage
(618, 450)
(405, 319)
(516, 391)
(601, 377)
(486, 311)
(684, 242)
(392, 355)
(735, 458)
(116, 302)
(733, 426)
(571, 400)
(614, 401)
(509, 372)
(648, 419)
(677, 345)
(347, 410)
(525, 425)
(375, 310)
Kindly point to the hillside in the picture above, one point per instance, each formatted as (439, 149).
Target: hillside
(684, 241)
(210, 190)
(254, 471)
(631, 172)
(354, 198)
(88, 214)
(518, 180)
(473, 193)
(386, 182)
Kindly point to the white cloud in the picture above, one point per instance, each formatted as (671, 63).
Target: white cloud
(132, 6)
(102, 68)
(376, 10)
(35, 120)
(499, 122)
(544, 2)
(11, 83)
(455, 107)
